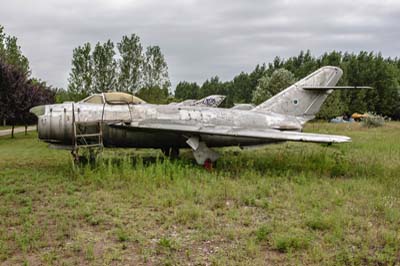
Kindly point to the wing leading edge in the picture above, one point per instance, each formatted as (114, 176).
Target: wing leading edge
(234, 132)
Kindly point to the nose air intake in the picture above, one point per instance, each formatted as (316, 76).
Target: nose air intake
(38, 110)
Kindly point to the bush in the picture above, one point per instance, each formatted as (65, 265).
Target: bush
(373, 120)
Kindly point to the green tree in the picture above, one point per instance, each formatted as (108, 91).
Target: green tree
(155, 69)
(212, 86)
(14, 56)
(241, 90)
(185, 90)
(155, 95)
(130, 64)
(10, 52)
(261, 93)
(269, 86)
(62, 95)
(332, 107)
(18, 94)
(2, 42)
(301, 65)
(104, 67)
(255, 75)
(80, 81)
(333, 58)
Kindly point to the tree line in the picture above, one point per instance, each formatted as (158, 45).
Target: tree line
(18, 90)
(364, 68)
(122, 67)
(127, 67)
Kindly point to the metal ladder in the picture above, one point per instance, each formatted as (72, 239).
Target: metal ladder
(85, 140)
(88, 140)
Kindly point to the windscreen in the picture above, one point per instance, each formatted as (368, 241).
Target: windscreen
(121, 98)
(95, 99)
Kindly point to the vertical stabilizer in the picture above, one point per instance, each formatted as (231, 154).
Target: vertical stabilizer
(300, 102)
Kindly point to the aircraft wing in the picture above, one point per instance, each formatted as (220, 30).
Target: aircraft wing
(272, 134)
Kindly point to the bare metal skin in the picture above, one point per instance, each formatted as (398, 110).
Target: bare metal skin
(280, 118)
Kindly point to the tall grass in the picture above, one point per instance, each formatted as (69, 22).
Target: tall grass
(290, 203)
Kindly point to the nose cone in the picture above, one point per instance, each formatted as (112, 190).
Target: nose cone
(38, 110)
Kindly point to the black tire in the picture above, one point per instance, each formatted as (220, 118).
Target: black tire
(174, 153)
(166, 151)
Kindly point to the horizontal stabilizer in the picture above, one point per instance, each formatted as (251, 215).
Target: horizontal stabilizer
(326, 88)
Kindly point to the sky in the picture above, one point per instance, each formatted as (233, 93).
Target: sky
(200, 39)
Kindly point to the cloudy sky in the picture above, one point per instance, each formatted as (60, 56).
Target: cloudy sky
(204, 38)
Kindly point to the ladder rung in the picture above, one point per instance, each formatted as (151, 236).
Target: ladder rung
(79, 138)
(89, 145)
(88, 135)
(87, 123)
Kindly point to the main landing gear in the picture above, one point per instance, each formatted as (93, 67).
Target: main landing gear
(208, 165)
(203, 154)
(172, 153)
(90, 155)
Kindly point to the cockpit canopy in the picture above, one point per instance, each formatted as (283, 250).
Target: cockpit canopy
(113, 98)
(96, 98)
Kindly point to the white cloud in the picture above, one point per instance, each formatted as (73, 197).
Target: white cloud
(201, 38)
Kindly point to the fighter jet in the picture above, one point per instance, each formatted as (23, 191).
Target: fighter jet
(122, 120)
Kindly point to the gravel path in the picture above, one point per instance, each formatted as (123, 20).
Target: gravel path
(6, 132)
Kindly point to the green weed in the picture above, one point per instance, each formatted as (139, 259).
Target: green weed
(291, 241)
(262, 233)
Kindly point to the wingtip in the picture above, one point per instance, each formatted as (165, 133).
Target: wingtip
(339, 139)
(344, 139)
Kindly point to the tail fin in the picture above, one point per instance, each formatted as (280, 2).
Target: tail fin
(304, 98)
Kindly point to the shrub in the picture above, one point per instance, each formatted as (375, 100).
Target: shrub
(373, 120)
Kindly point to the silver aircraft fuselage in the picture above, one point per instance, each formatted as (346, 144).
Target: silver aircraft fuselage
(118, 119)
(56, 124)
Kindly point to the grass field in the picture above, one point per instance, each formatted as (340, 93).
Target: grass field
(286, 204)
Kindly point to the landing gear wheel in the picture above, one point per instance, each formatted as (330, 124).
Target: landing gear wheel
(93, 155)
(75, 156)
(174, 153)
(208, 165)
(166, 151)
